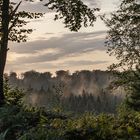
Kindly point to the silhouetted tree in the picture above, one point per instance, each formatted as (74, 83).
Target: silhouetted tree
(123, 42)
(12, 22)
(73, 12)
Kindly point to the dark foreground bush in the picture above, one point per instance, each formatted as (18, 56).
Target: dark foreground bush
(18, 122)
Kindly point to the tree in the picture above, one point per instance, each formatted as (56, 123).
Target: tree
(11, 28)
(4, 43)
(123, 42)
(74, 12)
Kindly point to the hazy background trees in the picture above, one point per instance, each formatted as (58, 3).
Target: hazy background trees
(79, 92)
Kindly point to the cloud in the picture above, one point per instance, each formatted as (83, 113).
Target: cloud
(67, 50)
(36, 20)
(68, 45)
(54, 66)
(92, 3)
(83, 63)
(49, 33)
(37, 6)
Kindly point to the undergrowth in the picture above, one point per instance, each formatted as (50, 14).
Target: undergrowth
(21, 122)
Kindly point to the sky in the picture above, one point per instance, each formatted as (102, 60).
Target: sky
(51, 47)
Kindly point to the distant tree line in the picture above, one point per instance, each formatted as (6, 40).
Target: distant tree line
(79, 92)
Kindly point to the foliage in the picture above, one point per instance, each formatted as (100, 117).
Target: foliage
(123, 42)
(19, 122)
(90, 103)
(34, 125)
(12, 27)
(13, 95)
(74, 12)
(124, 33)
(23, 123)
(18, 21)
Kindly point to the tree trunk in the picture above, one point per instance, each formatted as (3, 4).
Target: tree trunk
(3, 43)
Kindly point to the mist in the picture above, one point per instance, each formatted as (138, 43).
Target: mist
(80, 91)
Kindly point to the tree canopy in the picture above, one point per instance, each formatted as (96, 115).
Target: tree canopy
(17, 21)
(74, 12)
(123, 42)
